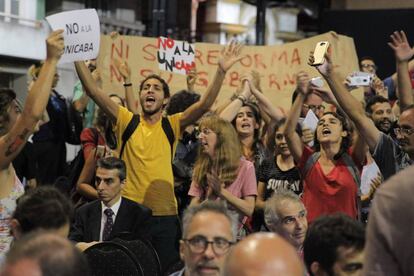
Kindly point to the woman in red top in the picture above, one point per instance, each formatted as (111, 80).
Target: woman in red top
(331, 180)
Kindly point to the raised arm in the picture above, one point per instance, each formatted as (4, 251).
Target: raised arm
(230, 55)
(292, 138)
(231, 110)
(130, 97)
(15, 136)
(349, 104)
(98, 96)
(403, 53)
(275, 113)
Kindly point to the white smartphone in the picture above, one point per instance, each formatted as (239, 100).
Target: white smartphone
(360, 79)
(319, 53)
(317, 81)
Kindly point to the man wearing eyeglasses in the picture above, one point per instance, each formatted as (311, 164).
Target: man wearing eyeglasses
(209, 230)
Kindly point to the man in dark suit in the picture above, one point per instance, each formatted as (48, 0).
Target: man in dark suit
(111, 215)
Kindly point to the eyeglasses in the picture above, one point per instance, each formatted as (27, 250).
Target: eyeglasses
(314, 107)
(373, 66)
(403, 131)
(198, 245)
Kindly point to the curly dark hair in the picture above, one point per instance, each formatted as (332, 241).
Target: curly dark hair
(326, 234)
(43, 208)
(180, 101)
(346, 141)
(373, 100)
(165, 86)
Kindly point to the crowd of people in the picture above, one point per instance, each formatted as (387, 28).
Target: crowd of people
(237, 187)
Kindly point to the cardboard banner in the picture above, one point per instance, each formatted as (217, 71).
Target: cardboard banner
(277, 65)
(81, 33)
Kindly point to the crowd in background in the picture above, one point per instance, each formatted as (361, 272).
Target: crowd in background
(151, 172)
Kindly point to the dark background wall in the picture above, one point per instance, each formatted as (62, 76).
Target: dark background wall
(371, 30)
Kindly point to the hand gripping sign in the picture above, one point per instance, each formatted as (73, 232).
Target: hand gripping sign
(81, 33)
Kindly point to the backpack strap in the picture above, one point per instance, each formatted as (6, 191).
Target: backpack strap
(310, 163)
(166, 126)
(132, 125)
(352, 168)
(350, 164)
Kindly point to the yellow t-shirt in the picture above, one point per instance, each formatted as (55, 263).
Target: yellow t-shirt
(147, 155)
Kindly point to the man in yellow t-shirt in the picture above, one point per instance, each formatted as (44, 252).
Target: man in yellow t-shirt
(147, 153)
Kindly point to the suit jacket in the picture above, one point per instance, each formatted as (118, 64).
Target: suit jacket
(131, 222)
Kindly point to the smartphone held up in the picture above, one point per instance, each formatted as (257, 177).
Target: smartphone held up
(319, 54)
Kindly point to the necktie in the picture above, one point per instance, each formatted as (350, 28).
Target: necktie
(108, 224)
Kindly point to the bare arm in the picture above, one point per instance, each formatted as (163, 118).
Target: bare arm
(130, 97)
(260, 203)
(231, 110)
(403, 53)
(292, 138)
(230, 56)
(275, 113)
(100, 98)
(349, 104)
(244, 205)
(13, 141)
(83, 186)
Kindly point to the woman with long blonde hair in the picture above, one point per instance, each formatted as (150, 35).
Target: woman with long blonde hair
(221, 172)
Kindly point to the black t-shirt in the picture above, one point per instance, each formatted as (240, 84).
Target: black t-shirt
(274, 178)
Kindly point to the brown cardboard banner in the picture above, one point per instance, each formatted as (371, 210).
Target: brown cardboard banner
(277, 65)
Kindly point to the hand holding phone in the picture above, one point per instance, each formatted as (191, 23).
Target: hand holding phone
(319, 54)
(100, 151)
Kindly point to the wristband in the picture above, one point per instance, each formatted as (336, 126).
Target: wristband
(242, 99)
(127, 84)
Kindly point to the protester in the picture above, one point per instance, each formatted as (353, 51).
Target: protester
(17, 125)
(330, 171)
(151, 182)
(389, 156)
(220, 172)
(49, 142)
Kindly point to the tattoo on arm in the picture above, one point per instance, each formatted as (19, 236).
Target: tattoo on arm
(14, 145)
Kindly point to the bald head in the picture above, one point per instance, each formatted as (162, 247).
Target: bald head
(263, 254)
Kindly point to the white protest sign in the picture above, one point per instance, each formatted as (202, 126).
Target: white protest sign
(311, 122)
(81, 33)
(175, 56)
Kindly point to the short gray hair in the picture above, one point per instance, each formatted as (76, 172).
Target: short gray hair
(210, 206)
(271, 212)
